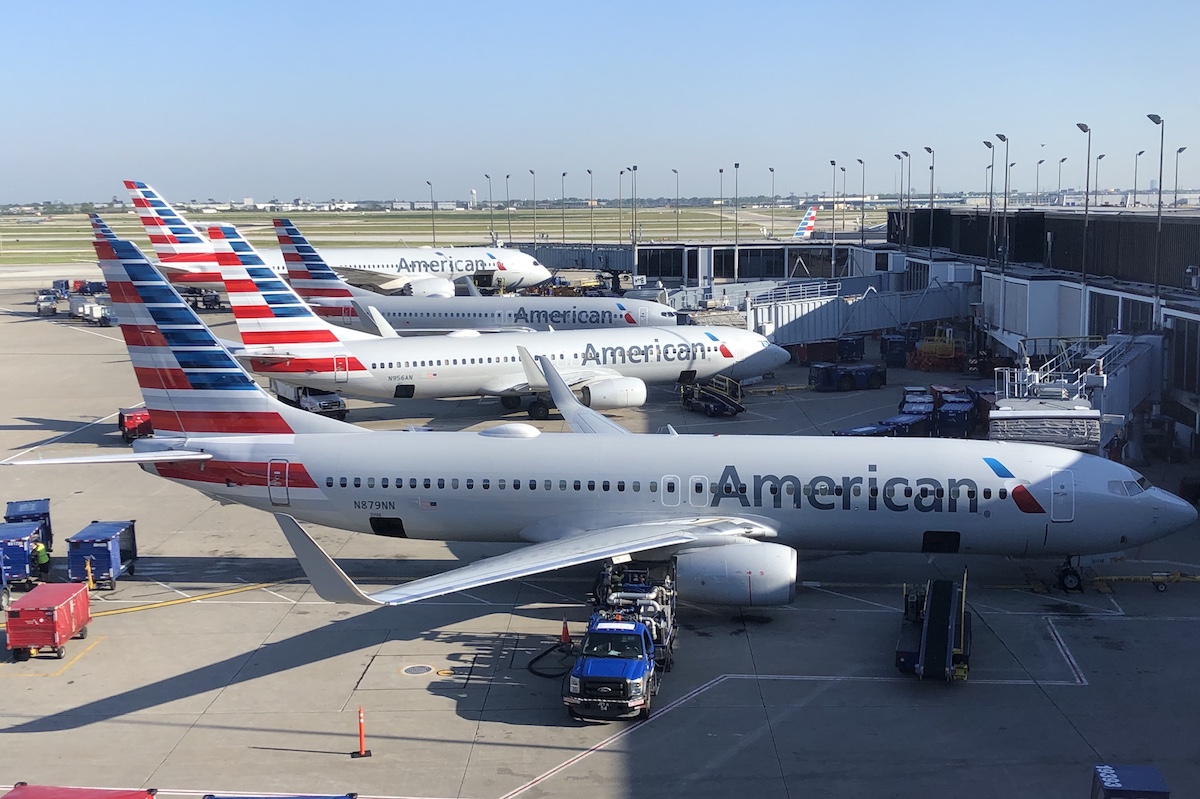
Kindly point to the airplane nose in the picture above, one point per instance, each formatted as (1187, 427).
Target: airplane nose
(779, 356)
(1174, 513)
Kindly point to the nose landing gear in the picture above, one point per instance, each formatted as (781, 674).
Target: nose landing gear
(1069, 578)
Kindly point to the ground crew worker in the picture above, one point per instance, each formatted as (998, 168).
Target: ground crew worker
(41, 560)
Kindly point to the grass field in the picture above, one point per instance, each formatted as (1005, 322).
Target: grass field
(68, 238)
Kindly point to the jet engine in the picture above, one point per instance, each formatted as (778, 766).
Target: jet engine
(615, 392)
(746, 573)
(429, 287)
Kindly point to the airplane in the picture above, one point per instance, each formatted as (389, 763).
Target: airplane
(807, 225)
(186, 254)
(610, 367)
(336, 301)
(100, 228)
(730, 510)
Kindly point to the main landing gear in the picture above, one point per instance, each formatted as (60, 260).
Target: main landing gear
(1069, 578)
(538, 409)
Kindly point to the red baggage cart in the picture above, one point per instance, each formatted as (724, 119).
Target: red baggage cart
(46, 617)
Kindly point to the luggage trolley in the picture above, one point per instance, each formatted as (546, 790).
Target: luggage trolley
(109, 548)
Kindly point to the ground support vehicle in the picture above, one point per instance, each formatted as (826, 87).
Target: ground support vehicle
(32, 510)
(62, 288)
(851, 349)
(935, 636)
(45, 618)
(814, 352)
(719, 397)
(16, 554)
(78, 303)
(893, 349)
(629, 643)
(97, 314)
(842, 377)
(134, 423)
(102, 551)
(313, 400)
(47, 307)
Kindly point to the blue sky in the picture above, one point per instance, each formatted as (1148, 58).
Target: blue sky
(371, 99)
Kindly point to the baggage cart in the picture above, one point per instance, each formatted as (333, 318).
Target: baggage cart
(46, 618)
(134, 423)
(16, 553)
(32, 510)
(908, 425)
(850, 349)
(106, 549)
(23, 790)
(875, 430)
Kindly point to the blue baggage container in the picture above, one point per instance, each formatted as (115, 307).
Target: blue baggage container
(850, 349)
(16, 551)
(111, 547)
(867, 430)
(32, 510)
(955, 419)
(908, 425)
(894, 351)
(917, 409)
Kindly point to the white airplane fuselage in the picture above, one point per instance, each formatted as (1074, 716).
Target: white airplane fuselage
(513, 484)
(454, 366)
(518, 270)
(539, 313)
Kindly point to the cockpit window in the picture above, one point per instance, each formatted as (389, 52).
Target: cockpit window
(1118, 488)
(1144, 483)
(1134, 487)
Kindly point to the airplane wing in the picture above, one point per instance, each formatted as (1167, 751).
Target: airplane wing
(162, 456)
(332, 584)
(578, 416)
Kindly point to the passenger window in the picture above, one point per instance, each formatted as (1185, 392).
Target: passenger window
(485, 484)
(636, 485)
(605, 485)
(742, 488)
(620, 485)
(939, 492)
(533, 485)
(370, 482)
(358, 482)
(383, 482)
(1002, 493)
(987, 493)
(342, 482)
(578, 485)
(548, 485)
(837, 491)
(857, 491)
(454, 482)
(516, 485)
(441, 482)
(562, 485)
(329, 482)
(669, 486)
(908, 491)
(427, 483)
(591, 485)
(470, 483)
(500, 484)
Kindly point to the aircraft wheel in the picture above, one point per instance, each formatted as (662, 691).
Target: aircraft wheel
(1160, 587)
(509, 402)
(1070, 579)
(539, 410)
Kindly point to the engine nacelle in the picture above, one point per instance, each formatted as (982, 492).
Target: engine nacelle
(429, 287)
(749, 573)
(616, 392)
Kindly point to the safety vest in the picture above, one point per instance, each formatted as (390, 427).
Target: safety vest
(40, 555)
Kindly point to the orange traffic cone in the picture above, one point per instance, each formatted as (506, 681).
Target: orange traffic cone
(565, 636)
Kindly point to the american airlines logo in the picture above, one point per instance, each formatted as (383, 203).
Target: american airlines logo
(568, 316)
(445, 265)
(649, 353)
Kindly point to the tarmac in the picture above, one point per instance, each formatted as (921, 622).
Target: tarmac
(217, 670)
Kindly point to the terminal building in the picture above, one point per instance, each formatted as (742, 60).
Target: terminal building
(1063, 276)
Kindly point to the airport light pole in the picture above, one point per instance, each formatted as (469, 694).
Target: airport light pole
(491, 209)
(1136, 157)
(508, 205)
(1087, 195)
(534, 174)
(771, 169)
(903, 221)
(1099, 158)
(676, 171)
(1162, 136)
(991, 203)
(862, 208)
(1037, 178)
(735, 221)
(721, 201)
(1004, 221)
(621, 217)
(932, 163)
(1175, 201)
(1060, 163)
(907, 225)
(592, 210)
(562, 202)
(833, 224)
(633, 237)
(432, 215)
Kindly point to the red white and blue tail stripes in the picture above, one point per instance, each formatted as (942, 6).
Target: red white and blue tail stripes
(268, 312)
(177, 243)
(308, 273)
(100, 228)
(190, 382)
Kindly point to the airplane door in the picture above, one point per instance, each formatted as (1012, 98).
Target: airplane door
(277, 482)
(347, 315)
(642, 315)
(670, 490)
(341, 369)
(698, 491)
(1062, 498)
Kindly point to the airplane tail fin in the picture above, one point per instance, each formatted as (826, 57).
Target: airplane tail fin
(307, 271)
(267, 311)
(100, 228)
(807, 225)
(175, 240)
(192, 385)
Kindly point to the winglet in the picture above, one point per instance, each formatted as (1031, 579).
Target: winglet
(533, 375)
(369, 316)
(580, 417)
(326, 577)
